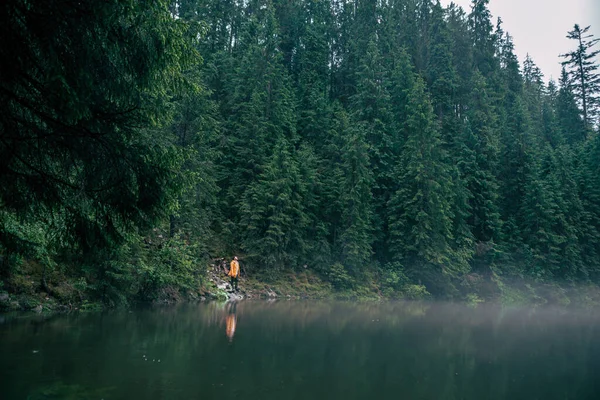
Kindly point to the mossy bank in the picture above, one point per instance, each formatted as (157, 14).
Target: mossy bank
(25, 292)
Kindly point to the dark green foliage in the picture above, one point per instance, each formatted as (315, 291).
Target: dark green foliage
(340, 136)
(273, 212)
(355, 198)
(479, 162)
(197, 131)
(480, 30)
(421, 209)
(589, 170)
(570, 124)
(84, 99)
(441, 72)
(370, 109)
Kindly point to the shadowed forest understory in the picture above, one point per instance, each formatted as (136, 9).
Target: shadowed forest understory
(340, 148)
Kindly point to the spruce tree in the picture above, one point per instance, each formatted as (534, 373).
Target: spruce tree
(589, 188)
(572, 224)
(462, 54)
(401, 83)
(441, 73)
(313, 77)
(533, 94)
(261, 108)
(583, 73)
(370, 109)
(515, 141)
(423, 34)
(571, 125)
(540, 214)
(197, 130)
(272, 211)
(420, 218)
(85, 95)
(482, 38)
(443, 89)
(551, 128)
(480, 147)
(356, 200)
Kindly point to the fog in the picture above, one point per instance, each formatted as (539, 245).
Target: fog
(539, 27)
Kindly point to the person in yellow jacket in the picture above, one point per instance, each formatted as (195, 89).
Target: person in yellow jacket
(234, 273)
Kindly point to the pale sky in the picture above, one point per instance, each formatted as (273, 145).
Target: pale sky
(539, 27)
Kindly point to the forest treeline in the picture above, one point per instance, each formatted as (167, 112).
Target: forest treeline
(400, 141)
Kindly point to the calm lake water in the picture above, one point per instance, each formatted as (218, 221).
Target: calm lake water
(303, 350)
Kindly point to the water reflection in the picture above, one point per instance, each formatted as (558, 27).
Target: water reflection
(231, 321)
(297, 350)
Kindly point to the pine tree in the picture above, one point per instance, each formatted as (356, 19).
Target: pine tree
(533, 94)
(443, 89)
(441, 74)
(516, 142)
(401, 83)
(572, 224)
(261, 108)
(551, 128)
(540, 214)
(273, 212)
(421, 219)
(462, 54)
(356, 27)
(356, 221)
(589, 188)
(369, 106)
(332, 174)
(317, 249)
(423, 34)
(219, 20)
(583, 73)
(570, 123)
(289, 16)
(404, 21)
(482, 38)
(479, 163)
(369, 103)
(85, 93)
(197, 130)
(313, 76)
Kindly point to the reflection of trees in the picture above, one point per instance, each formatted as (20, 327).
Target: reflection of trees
(309, 350)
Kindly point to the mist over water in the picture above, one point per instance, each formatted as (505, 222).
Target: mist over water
(304, 350)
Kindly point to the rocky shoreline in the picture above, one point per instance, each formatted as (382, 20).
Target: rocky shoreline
(221, 288)
(216, 287)
(64, 296)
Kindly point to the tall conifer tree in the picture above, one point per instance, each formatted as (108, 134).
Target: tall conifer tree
(583, 73)
(479, 163)
(421, 219)
(570, 123)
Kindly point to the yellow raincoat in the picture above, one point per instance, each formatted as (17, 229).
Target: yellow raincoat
(234, 270)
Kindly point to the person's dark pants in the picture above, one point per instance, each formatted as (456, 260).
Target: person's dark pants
(234, 283)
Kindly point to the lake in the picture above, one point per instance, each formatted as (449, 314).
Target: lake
(303, 350)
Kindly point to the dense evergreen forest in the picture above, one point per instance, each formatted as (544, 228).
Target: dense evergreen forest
(396, 142)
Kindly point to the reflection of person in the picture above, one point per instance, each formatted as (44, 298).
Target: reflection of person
(230, 323)
(234, 273)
